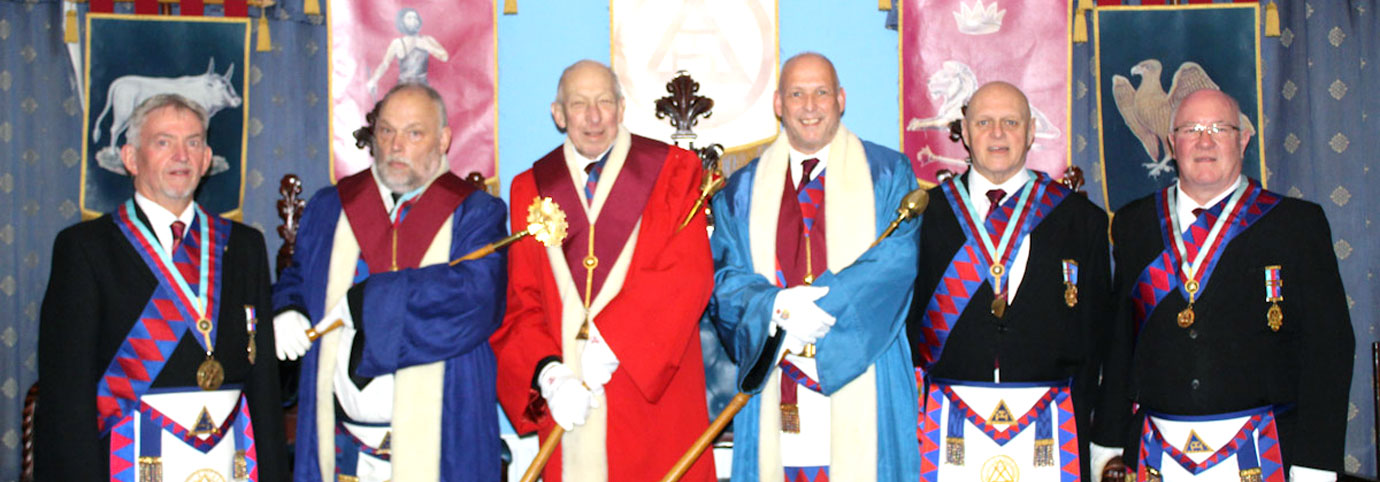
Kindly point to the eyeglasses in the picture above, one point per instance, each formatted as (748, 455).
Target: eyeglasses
(1212, 129)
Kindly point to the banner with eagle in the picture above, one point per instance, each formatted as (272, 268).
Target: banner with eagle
(951, 47)
(1199, 46)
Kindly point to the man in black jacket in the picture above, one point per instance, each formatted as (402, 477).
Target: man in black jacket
(152, 362)
(1012, 284)
(1232, 328)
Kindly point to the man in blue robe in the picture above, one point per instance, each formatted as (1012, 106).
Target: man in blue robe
(404, 389)
(799, 286)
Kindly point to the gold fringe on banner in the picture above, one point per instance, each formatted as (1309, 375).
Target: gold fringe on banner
(311, 7)
(884, 5)
(510, 7)
(69, 30)
(265, 42)
(1271, 20)
(1080, 22)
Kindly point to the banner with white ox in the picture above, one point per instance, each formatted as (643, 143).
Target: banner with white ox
(450, 45)
(950, 47)
(728, 46)
(131, 58)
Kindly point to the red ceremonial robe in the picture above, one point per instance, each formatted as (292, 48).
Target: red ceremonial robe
(656, 400)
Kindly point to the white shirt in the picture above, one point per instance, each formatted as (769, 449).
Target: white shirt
(977, 192)
(161, 219)
(1187, 204)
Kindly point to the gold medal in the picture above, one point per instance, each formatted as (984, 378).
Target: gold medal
(999, 306)
(1070, 294)
(1275, 317)
(1186, 317)
(210, 374)
(253, 350)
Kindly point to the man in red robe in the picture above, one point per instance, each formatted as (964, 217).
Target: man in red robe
(601, 334)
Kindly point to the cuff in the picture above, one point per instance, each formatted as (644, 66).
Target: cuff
(1299, 473)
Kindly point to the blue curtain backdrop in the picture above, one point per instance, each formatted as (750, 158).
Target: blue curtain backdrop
(1320, 88)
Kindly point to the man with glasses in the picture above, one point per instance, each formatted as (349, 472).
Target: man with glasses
(1232, 332)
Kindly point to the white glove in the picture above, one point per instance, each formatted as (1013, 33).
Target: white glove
(1098, 457)
(792, 344)
(290, 335)
(597, 361)
(795, 310)
(565, 395)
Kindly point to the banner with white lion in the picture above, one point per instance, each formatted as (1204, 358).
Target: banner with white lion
(1202, 46)
(131, 58)
(950, 47)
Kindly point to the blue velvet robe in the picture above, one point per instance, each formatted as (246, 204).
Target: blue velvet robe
(413, 317)
(870, 300)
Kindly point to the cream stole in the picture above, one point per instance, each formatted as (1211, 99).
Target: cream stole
(850, 230)
(417, 394)
(583, 454)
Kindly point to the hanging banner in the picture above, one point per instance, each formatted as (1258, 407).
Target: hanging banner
(1201, 46)
(450, 45)
(728, 46)
(131, 58)
(951, 47)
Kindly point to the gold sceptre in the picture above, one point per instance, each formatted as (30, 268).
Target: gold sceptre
(545, 223)
(712, 183)
(912, 206)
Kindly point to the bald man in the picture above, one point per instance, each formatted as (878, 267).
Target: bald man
(1012, 283)
(812, 312)
(601, 334)
(1249, 349)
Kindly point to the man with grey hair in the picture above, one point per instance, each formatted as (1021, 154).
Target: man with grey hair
(401, 385)
(149, 338)
(1226, 384)
(593, 340)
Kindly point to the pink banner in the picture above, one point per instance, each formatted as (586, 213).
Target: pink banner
(950, 47)
(448, 44)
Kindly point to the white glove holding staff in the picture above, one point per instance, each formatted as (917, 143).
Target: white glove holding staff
(290, 335)
(565, 395)
(795, 310)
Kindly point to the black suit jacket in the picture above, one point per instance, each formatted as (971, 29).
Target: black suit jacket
(1040, 338)
(1229, 359)
(97, 289)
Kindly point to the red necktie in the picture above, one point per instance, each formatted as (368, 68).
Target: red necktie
(807, 167)
(178, 228)
(995, 196)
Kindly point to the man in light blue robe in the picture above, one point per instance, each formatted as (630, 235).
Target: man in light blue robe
(853, 414)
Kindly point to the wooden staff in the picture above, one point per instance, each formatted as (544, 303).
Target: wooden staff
(912, 206)
(547, 448)
(545, 222)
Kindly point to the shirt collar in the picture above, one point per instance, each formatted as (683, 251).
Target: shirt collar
(160, 218)
(579, 162)
(979, 185)
(1187, 204)
(798, 159)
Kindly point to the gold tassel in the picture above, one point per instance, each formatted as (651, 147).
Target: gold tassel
(510, 7)
(790, 418)
(1271, 20)
(953, 451)
(311, 7)
(884, 5)
(69, 33)
(1080, 23)
(265, 42)
(1044, 452)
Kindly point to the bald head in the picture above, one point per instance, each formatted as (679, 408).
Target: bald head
(808, 60)
(588, 107)
(998, 131)
(999, 91)
(1208, 143)
(809, 101)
